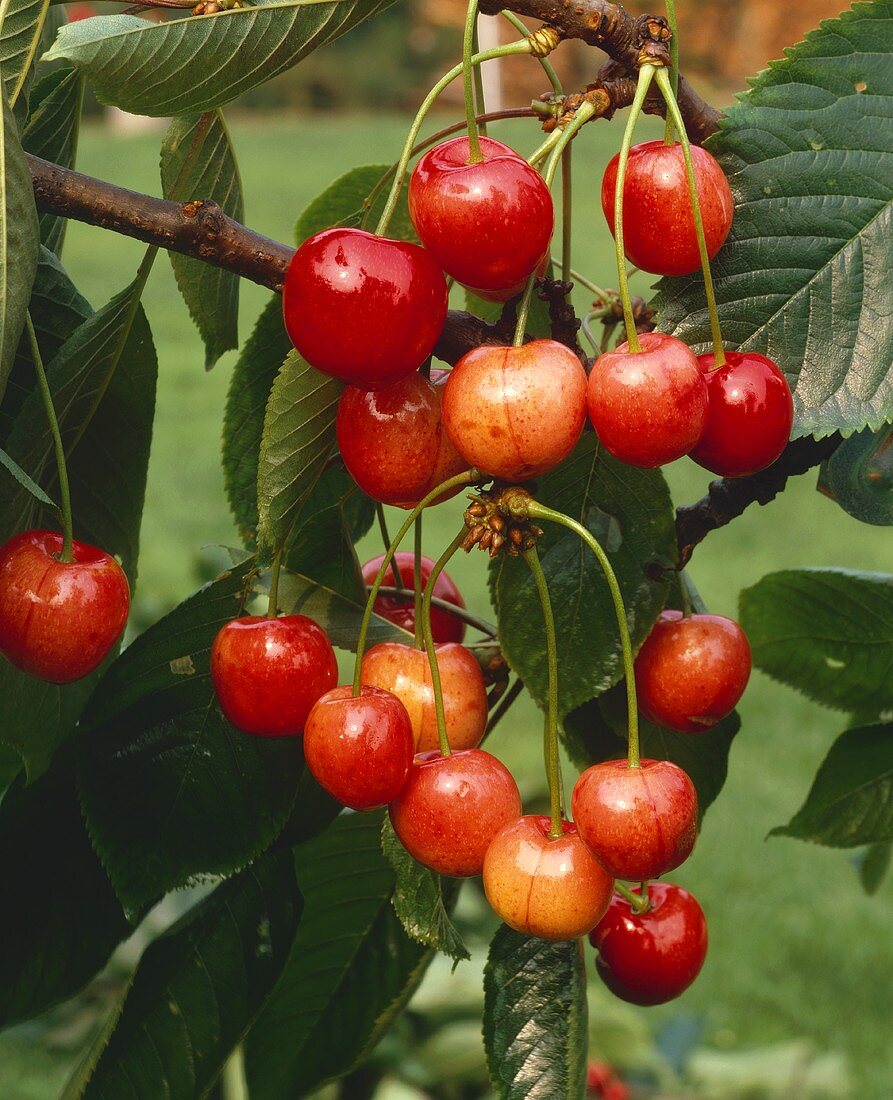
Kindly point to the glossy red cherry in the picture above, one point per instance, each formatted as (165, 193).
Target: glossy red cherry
(365, 309)
(515, 413)
(59, 620)
(650, 958)
(401, 609)
(452, 807)
(405, 671)
(393, 440)
(268, 673)
(648, 407)
(359, 748)
(511, 291)
(638, 822)
(749, 414)
(691, 671)
(602, 1081)
(658, 225)
(487, 224)
(551, 887)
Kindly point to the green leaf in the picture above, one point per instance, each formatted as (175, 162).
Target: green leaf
(21, 22)
(851, 800)
(343, 203)
(199, 988)
(351, 969)
(805, 276)
(874, 865)
(418, 899)
(859, 477)
(826, 632)
(188, 65)
(198, 162)
(535, 1017)
(170, 790)
(26, 483)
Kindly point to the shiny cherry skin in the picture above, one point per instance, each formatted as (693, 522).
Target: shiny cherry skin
(639, 823)
(692, 670)
(59, 620)
(551, 887)
(452, 807)
(658, 225)
(393, 441)
(487, 224)
(749, 414)
(401, 609)
(405, 671)
(650, 958)
(268, 673)
(365, 309)
(648, 407)
(359, 748)
(511, 291)
(515, 413)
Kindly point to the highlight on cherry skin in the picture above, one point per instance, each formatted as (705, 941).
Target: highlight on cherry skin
(269, 672)
(401, 609)
(692, 670)
(362, 308)
(59, 620)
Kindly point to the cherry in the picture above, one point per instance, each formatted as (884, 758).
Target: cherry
(551, 887)
(365, 309)
(268, 673)
(59, 620)
(401, 609)
(515, 413)
(487, 224)
(452, 807)
(658, 224)
(512, 291)
(405, 671)
(650, 958)
(637, 822)
(393, 442)
(359, 748)
(692, 670)
(648, 407)
(749, 414)
(601, 1080)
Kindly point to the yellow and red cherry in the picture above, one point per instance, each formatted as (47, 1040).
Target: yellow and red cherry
(692, 670)
(269, 673)
(59, 620)
(551, 887)
(362, 308)
(451, 809)
(445, 627)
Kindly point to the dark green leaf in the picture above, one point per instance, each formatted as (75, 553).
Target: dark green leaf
(535, 1017)
(805, 275)
(343, 203)
(26, 483)
(859, 477)
(20, 26)
(874, 865)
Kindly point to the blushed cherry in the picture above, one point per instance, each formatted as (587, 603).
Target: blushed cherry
(692, 670)
(401, 609)
(640, 822)
(59, 620)
(451, 809)
(551, 887)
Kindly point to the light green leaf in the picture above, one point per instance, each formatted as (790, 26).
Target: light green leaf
(21, 23)
(344, 203)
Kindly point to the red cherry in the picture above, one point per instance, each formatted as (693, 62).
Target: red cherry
(405, 671)
(515, 413)
(511, 291)
(648, 407)
(650, 958)
(551, 887)
(59, 620)
(365, 309)
(637, 822)
(452, 807)
(488, 224)
(658, 225)
(401, 609)
(393, 441)
(691, 671)
(359, 748)
(268, 673)
(601, 1080)
(749, 414)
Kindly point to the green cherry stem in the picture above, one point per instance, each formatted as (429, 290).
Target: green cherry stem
(524, 310)
(475, 156)
(479, 83)
(386, 542)
(276, 569)
(669, 132)
(639, 903)
(430, 647)
(461, 613)
(417, 582)
(566, 207)
(544, 61)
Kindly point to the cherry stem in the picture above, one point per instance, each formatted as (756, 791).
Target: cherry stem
(544, 61)
(502, 707)
(663, 82)
(457, 612)
(639, 903)
(475, 156)
(480, 106)
(586, 282)
(431, 648)
(467, 477)
(550, 730)
(386, 542)
(669, 132)
(273, 605)
(66, 554)
(535, 510)
(566, 207)
(417, 583)
(684, 595)
(524, 310)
